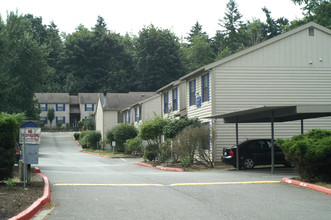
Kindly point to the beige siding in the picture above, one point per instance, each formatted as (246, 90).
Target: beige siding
(99, 119)
(151, 108)
(84, 114)
(206, 107)
(56, 114)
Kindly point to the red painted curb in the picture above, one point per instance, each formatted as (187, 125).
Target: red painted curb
(76, 141)
(143, 164)
(170, 169)
(35, 208)
(307, 185)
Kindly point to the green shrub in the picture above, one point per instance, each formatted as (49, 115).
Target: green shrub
(110, 136)
(151, 152)
(82, 140)
(41, 124)
(92, 138)
(133, 146)
(89, 123)
(171, 129)
(191, 145)
(76, 136)
(59, 124)
(121, 133)
(310, 154)
(9, 129)
(165, 151)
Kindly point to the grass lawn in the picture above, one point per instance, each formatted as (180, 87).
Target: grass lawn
(109, 153)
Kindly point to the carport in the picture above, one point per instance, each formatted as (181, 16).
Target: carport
(273, 114)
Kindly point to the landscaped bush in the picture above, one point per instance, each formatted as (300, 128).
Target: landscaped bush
(310, 154)
(133, 146)
(92, 138)
(121, 133)
(82, 140)
(192, 146)
(165, 152)
(151, 152)
(172, 128)
(76, 136)
(9, 129)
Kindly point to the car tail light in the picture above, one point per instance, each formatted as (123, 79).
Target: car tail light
(17, 150)
(231, 153)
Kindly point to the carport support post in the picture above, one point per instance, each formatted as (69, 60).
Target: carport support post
(272, 145)
(237, 144)
(302, 126)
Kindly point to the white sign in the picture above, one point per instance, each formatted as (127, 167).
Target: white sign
(32, 135)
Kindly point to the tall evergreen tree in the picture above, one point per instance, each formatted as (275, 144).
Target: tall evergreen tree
(24, 59)
(158, 58)
(231, 23)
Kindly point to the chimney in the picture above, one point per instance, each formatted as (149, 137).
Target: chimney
(104, 99)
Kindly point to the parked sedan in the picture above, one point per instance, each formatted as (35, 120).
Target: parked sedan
(253, 152)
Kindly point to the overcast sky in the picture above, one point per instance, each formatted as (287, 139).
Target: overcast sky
(130, 16)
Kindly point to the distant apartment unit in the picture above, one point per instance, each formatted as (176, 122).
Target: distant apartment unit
(67, 108)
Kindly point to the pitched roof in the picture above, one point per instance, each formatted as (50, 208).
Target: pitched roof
(254, 48)
(88, 98)
(119, 101)
(53, 98)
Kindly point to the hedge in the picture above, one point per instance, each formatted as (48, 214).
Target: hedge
(9, 128)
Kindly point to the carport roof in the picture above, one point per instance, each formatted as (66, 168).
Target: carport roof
(277, 113)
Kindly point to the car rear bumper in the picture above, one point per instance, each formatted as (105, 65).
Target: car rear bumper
(229, 160)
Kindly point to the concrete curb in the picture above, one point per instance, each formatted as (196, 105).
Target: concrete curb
(35, 208)
(160, 167)
(307, 185)
(96, 154)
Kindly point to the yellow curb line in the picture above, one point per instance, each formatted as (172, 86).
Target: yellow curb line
(222, 183)
(64, 184)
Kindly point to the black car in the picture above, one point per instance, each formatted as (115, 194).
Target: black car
(253, 152)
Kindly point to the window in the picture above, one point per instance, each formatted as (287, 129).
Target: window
(166, 102)
(60, 107)
(129, 116)
(44, 119)
(43, 107)
(205, 87)
(311, 31)
(126, 117)
(175, 99)
(192, 92)
(89, 107)
(140, 113)
(136, 117)
(61, 118)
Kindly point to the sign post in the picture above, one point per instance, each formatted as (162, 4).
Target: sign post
(30, 138)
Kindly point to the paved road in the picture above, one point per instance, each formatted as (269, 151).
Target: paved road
(86, 186)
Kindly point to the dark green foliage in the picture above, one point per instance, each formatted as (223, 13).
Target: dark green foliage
(310, 153)
(152, 130)
(121, 133)
(165, 152)
(92, 138)
(151, 152)
(133, 146)
(172, 128)
(89, 123)
(50, 115)
(158, 58)
(9, 128)
(23, 59)
(59, 124)
(77, 136)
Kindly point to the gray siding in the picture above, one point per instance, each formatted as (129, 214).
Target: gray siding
(295, 70)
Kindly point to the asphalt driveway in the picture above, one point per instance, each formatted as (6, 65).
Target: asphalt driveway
(86, 186)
